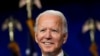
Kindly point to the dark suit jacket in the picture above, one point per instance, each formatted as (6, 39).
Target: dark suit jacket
(65, 54)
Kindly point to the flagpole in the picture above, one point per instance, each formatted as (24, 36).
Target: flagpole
(10, 24)
(30, 22)
(93, 46)
(30, 25)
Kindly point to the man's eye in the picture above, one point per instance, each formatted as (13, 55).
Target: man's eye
(42, 30)
(54, 30)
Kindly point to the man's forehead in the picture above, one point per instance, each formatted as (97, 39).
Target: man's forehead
(50, 19)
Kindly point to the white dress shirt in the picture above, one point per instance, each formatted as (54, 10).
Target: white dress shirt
(60, 54)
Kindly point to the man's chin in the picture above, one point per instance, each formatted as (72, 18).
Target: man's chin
(48, 51)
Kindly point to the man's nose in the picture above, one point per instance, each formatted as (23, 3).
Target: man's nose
(48, 35)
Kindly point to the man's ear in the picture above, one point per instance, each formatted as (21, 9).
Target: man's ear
(65, 36)
(36, 37)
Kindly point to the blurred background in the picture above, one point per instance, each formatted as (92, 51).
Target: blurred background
(77, 13)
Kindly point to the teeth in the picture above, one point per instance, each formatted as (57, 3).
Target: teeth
(47, 43)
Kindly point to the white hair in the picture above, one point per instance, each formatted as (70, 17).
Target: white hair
(53, 12)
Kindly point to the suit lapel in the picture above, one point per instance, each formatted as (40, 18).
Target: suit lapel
(65, 54)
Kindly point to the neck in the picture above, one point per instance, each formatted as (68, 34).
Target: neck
(51, 53)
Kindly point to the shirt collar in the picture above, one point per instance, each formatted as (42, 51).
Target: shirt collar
(60, 54)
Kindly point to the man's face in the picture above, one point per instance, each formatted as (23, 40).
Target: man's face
(49, 35)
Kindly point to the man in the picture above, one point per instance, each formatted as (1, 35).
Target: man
(51, 32)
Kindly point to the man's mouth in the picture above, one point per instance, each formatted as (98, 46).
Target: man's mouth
(47, 43)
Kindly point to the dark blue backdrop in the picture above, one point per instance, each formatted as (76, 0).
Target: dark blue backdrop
(76, 14)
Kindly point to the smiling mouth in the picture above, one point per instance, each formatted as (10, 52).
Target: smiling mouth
(47, 43)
